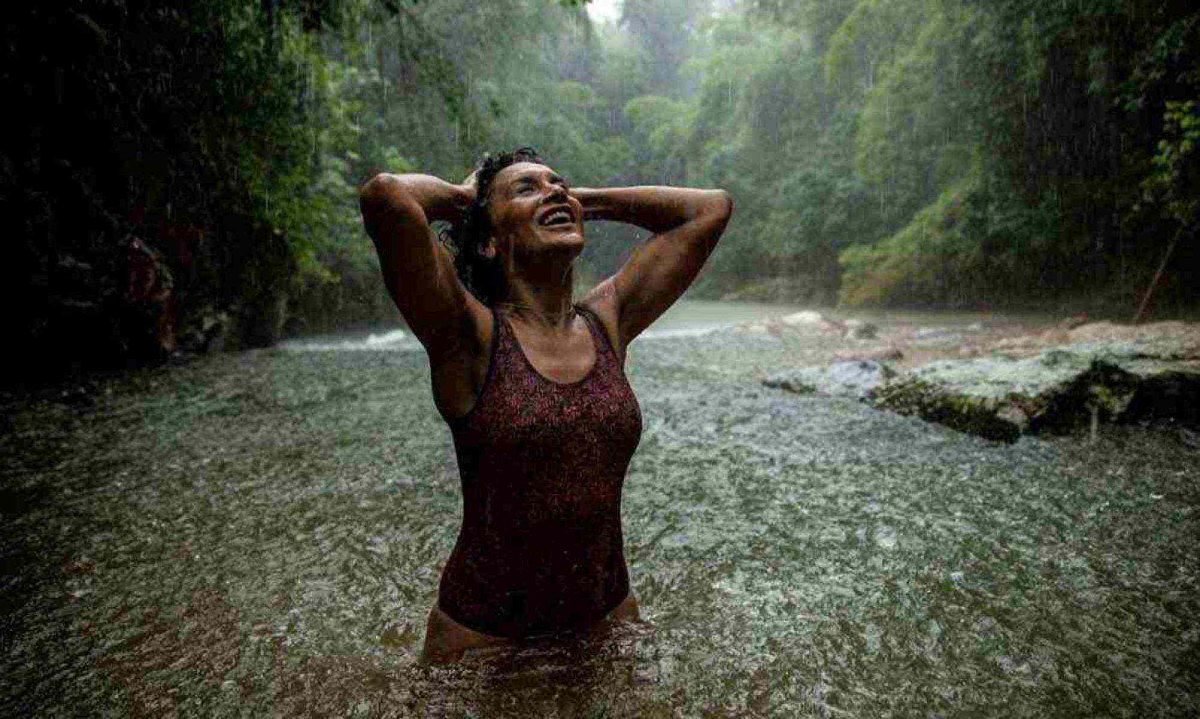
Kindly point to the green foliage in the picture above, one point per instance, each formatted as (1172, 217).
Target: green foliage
(663, 29)
(865, 42)
(1067, 121)
(658, 133)
(185, 130)
(929, 260)
(1174, 182)
(977, 244)
(770, 128)
(881, 151)
(915, 137)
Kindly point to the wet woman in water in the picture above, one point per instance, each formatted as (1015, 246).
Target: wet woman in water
(530, 381)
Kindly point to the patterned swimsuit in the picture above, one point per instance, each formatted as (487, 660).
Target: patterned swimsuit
(542, 464)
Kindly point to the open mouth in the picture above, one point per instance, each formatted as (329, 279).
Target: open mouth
(556, 218)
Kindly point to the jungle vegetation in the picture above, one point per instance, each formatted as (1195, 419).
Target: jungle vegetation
(183, 175)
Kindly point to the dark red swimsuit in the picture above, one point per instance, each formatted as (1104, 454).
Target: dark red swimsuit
(542, 464)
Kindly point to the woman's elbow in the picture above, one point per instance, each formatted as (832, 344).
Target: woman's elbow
(717, 209)
(383, 200)
(720, 205)
(376, 190)
(726, 204)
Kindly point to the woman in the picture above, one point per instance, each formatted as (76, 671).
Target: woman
(532, 384)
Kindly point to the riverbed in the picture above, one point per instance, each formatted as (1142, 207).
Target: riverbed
(261, 533)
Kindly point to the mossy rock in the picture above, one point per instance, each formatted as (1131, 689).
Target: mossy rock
(1068, 395)
(1103, 392)
(973, 415)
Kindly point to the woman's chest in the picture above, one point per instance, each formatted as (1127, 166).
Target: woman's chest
(531, 414)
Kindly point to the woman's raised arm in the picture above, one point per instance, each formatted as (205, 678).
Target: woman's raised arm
(686, 224)
(418, 271)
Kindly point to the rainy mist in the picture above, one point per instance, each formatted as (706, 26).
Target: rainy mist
(920, 438)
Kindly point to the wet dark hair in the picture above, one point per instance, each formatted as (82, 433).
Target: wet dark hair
(482, 275)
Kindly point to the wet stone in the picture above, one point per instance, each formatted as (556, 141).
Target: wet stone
(854, 378)
(1063, 389)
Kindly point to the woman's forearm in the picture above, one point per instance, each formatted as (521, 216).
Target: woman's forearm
(407, 195)
(656, 209)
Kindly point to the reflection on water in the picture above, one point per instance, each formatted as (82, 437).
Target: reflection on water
(262, 534)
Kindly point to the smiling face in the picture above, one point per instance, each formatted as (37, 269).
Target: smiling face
(532, 214)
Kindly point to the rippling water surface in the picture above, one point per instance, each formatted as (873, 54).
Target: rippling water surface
(262, 533)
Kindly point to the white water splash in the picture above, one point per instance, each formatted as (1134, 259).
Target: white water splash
(394, 340)
(652, 334)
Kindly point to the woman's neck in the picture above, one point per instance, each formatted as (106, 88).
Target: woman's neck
(548, 305)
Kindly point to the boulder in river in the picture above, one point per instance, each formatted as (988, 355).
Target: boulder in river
(807, 317)
(1060, 390)
(807, 322)
(1137, 378)
(811, 319)
(935, 337)
(761, 328)
(856, 378)
(860, 330)
(884, 353)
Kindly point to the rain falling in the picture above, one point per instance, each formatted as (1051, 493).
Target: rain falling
(826, 358)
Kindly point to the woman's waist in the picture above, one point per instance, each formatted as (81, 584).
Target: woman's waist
(533, 447)
(522, 544)
(532, 512)
(523, 603)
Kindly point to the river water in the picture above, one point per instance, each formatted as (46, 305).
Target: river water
(261, 534)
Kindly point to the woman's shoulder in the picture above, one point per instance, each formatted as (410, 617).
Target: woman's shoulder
(601, 303)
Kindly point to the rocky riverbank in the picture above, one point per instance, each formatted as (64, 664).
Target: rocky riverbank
(1002, 382)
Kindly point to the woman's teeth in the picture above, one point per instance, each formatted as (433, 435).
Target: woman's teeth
(557, 217)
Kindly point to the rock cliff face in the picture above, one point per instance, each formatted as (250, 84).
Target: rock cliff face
(1111, 374)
